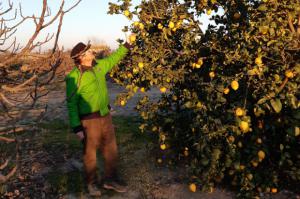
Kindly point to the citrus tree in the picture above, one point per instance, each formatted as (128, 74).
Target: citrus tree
(229, 103)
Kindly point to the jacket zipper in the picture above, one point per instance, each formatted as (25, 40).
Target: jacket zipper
(98, 86)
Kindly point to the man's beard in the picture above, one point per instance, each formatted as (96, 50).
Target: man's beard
(94, 62)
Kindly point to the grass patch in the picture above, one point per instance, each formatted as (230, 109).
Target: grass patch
(57, 137)
(129, 126)
(63, 183)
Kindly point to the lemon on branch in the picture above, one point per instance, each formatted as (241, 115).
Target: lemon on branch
(132, 38)
(259, 140)
(244, 126)
(141, 65)
(163, 89)
(231, 139)
(122, 102)
(274, 190)
(226, 91)
(234, 85)
(289, 74)
(141, 26)
(159, 26)
(261, 155)
(126, 13)
(163, 146)
(208, 12)
(171, 25)
(192, 187)
(258, 60)
(239, 112)
(136, 23)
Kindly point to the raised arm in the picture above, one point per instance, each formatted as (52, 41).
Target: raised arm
(106, 64)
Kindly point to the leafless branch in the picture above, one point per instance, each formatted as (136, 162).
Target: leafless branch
(4, 178)
(5, 139)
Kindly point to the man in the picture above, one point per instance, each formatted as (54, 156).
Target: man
(90, 119)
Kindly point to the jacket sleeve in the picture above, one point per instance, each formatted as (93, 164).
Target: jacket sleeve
(72, 104)
(106, 64)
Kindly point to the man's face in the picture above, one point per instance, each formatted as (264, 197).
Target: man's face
(87, 57)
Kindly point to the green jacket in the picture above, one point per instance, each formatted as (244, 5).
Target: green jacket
(88, 93)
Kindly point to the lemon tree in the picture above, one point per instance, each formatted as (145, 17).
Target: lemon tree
(229, 103)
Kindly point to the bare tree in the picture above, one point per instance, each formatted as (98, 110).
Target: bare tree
(25, 74)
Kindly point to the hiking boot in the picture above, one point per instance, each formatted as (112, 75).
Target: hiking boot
(115, 184)
(93, 190)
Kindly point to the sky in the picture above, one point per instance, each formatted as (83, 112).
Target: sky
(88, 21)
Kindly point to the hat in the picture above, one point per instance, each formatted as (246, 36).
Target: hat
(79, 48)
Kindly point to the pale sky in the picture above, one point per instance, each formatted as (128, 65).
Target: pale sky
(88, 21)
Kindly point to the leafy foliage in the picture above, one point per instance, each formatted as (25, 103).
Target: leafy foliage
(230, 95)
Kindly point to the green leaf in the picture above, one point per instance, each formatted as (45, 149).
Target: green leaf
(262, 7)
(276, 104)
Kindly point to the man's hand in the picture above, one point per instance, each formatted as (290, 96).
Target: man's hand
(80, 135)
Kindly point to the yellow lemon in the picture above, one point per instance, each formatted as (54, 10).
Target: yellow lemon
(132, 38)
(163, 89)
(237, 15)
(226, 91)
(259, 140)
(141, 65)
(142, 89)
(261, 155)
(254, 163)
(126, 13)
(235, 85)
(297, 131)
(197, 66)
(244, 126)
(122, 103)
(159, 26)
(240, 144)
(163, 137)
(200, 61)
(289, 74)
(193, 187)
(274, 190)
(212, 74)
(239, 112)
(199, 105)
(174, 98)
(135, 70)
(163, 146)
(141, 26)
(171, 25)
(231, 139)
(208, 12)
(258, 60)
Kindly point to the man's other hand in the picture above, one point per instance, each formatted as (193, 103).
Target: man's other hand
(80, 135)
